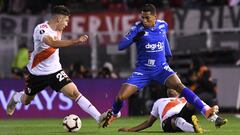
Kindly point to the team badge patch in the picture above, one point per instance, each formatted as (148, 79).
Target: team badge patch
(42, 31)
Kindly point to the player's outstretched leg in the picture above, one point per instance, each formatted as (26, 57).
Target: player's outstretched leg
(196, 125)
(16, 98)
(174, 82)
(106, 116)
(202, 107)
(219, 121)
(102, 119)
(11, 105)
(110, 117)
(113, 114)
(126, 91)
(71, 91)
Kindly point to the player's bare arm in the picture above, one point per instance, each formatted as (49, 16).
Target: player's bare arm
(146, 124)
(64, 43)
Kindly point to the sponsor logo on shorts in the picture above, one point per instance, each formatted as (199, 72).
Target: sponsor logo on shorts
(151, 63)
(168, 68)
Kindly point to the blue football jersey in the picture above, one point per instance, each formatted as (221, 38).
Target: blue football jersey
(152, 48)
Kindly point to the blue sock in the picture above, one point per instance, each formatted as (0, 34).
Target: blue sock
(117, 105)
(193, 99)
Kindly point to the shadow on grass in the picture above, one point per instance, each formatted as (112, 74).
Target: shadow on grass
(73, 133)
(155, 132)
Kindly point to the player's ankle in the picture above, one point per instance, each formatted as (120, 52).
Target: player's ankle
(213, 117)
(117, 115)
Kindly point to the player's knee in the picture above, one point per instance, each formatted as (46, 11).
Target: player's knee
(74, 95)
(179, 87)
(26, 102)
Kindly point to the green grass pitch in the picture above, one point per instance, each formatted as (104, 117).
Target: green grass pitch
(89, 127)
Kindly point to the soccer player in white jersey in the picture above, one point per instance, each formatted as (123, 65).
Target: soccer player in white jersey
(44, 66)
(175, 114)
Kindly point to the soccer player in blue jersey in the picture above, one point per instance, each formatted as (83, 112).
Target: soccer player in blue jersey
(150, 37)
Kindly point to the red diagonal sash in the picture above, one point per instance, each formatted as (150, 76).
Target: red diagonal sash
(42, 56)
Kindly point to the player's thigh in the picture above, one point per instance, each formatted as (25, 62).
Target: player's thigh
(34, 84)
(70, 90)
(174, 82)
(137, 80)
(60, 81)
(186, 113)
(126, 91)
(168, 124)
(163, 74)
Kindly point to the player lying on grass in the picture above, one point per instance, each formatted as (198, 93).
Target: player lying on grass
(175, 114)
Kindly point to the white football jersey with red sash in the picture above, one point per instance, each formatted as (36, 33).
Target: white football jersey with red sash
(167, 107)
(44, 59)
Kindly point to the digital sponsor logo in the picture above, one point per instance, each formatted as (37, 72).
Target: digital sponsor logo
(154, 47)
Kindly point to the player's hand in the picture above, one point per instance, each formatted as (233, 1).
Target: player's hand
(138, 36)
(123, 130)
(83, 39)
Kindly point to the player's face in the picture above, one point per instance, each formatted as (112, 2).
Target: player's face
(63, 22)
(148, 19)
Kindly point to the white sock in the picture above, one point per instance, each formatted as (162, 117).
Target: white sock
(184, 125)
(88, 107)
(17, 97)
(118, 115)
(213, 117)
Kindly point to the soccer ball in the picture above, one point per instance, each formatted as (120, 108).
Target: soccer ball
(72, 123)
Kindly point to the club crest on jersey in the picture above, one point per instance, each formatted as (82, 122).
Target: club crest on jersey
(158, 47)
(133, 27)
(161, 26)
(146, 33)
(29, 90)
(42, 31)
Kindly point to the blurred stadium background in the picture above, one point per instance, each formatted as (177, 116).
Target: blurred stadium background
(203, 34)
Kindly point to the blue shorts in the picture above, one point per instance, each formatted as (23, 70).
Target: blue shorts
(140, 78)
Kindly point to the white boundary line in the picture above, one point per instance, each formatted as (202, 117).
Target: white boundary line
(238, 97)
